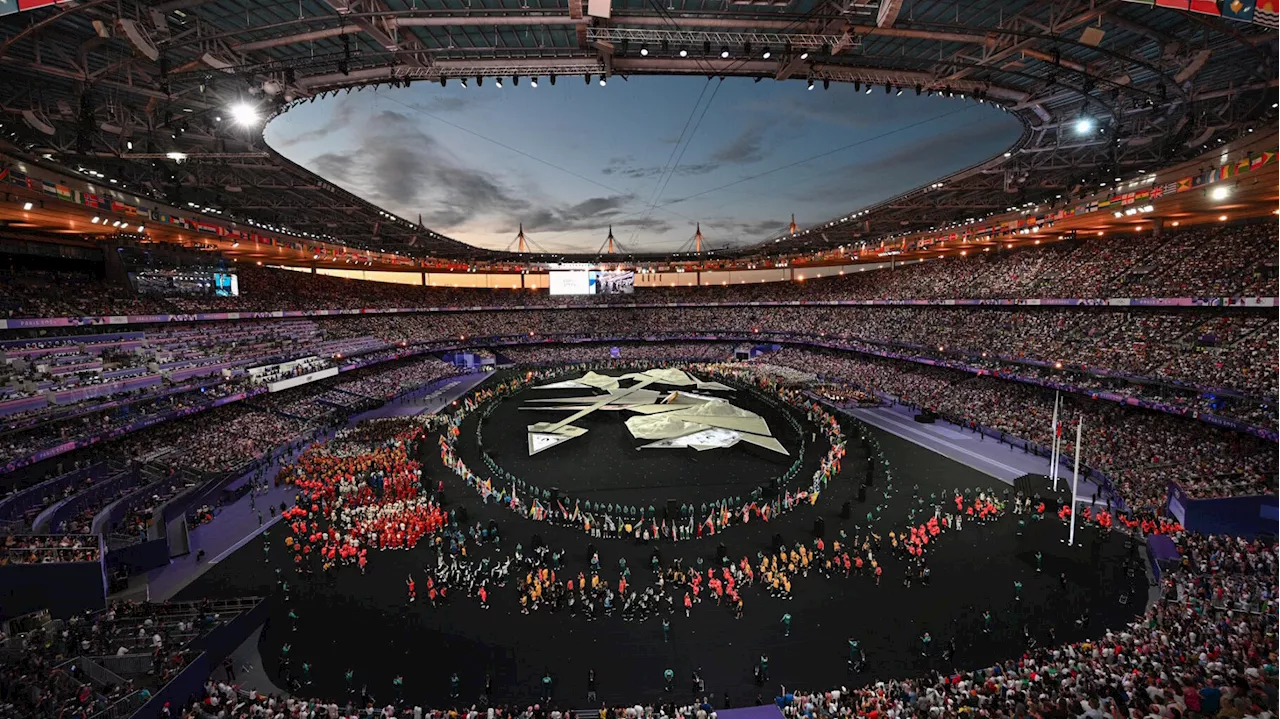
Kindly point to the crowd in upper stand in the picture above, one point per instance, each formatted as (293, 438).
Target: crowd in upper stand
(1214, 261)
(660, 352)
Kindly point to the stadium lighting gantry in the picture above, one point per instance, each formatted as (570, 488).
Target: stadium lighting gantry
(244, 114)
(1084, 125)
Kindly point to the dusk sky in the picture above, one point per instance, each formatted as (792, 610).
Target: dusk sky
(652, 156)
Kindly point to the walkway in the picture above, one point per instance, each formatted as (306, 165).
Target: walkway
(987, 455)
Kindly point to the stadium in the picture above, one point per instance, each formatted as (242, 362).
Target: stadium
(639, 360)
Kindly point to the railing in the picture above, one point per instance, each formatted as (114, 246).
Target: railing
(122, 708)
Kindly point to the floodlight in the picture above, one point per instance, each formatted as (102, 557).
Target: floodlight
(244, 114)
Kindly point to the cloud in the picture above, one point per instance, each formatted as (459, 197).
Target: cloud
(746, 148)
(640, 173)
(401, 167)
(343, 114)
(590, 214)
(444, 104)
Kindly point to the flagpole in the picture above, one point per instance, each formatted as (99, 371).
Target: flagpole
(1053, 443)
(1075, 483)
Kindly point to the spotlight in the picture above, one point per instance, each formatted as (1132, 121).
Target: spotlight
(27, 205)
(515, 80)
(128, 145)
(644, 52)
(868, 90)
(553, 80)
(684, 52)
(810, 83)
(887, 88)
(826, 84)
(533, 82)
(1219, 193)
(804, 55)
(766, 54)
(244, 114)
(479, 81)
(587, 78)
(603, 81)
(141, 228)
(918, 89)
(463, 80)
(498, 81)
(724, 53)
(95, 220)
(1084, 125)
(443, 82)
(899, 92)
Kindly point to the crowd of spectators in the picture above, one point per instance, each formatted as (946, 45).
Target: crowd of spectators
(47, 549)
(382, 383)
(657, 351)
(1198, 348)
(1216, 261)
(42, 672)
(1138, 450)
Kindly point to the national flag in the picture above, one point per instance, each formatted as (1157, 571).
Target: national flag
(1243, 165)
(1241, 10)
(1225, 172)
(1267, 14)
(1261, 160)
(6, 7)
(1205, 7)
(49, 188)
(64, 192)
(1174, 4)
(1185, 183)
(4, 172)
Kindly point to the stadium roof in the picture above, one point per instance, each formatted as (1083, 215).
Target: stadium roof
(1103, 88)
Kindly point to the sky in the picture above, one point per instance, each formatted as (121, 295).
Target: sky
(651, 156)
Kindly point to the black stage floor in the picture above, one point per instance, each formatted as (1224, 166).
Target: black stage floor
(364, 622)
(606, 465)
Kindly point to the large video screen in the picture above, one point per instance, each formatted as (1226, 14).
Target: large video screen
(615, 283)
(570, 282)
(591, 282)
(175, 283)
(226, 285)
